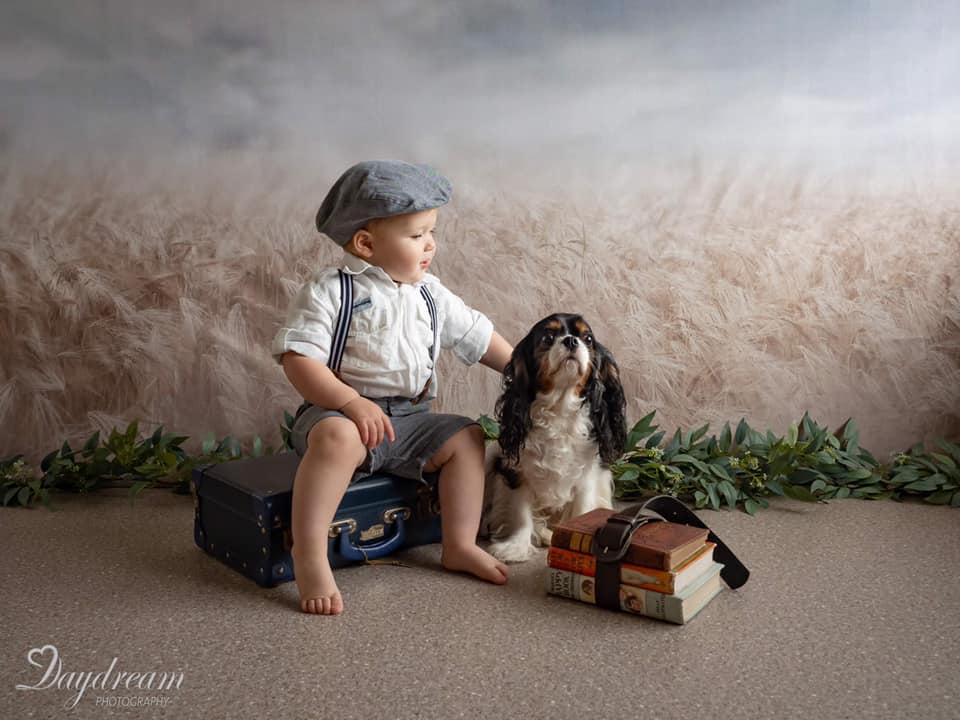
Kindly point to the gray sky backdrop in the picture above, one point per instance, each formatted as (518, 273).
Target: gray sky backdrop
(585, 90)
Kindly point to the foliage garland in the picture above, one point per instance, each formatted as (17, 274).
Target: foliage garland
(740, 468)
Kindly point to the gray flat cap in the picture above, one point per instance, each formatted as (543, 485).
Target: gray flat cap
(377, 189)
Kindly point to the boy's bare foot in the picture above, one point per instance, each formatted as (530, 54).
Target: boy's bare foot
(318, 591)
(474, 560)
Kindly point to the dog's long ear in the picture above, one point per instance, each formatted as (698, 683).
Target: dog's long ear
(513, 406)
(607, 406)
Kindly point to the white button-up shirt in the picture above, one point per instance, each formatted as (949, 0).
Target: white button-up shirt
(387, 352)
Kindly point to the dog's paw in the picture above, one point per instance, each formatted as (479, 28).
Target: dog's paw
(511, 551)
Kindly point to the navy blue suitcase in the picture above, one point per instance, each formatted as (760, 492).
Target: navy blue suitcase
(243, 516)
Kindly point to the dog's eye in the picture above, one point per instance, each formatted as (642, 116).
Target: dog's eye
(588, 340)
(547, 339)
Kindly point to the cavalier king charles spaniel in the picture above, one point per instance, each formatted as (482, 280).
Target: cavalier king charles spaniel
(562, 422)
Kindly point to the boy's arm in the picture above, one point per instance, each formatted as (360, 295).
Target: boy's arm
(498, 353)
(318, 385)
(315, 382)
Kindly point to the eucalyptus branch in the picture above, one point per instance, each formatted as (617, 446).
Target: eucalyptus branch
(742, 466)
(121, 460)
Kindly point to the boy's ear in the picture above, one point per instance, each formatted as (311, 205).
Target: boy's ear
(362, 243)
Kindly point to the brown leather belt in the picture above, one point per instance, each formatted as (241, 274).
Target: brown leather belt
(611, 542)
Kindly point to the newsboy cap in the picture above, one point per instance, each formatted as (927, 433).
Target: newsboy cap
(378, 189)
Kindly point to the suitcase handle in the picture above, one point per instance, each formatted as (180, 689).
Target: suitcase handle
(362, 553)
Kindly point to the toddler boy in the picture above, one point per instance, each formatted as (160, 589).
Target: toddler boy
(370, 411)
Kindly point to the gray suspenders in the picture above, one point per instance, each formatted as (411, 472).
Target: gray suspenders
(346, 315)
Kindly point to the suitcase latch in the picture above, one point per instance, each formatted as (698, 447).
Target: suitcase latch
(350, 524)
(390, 516)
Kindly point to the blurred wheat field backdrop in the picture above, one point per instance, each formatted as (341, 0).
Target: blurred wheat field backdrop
(122, 300)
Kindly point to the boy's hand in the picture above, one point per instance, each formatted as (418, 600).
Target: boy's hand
(370, 419)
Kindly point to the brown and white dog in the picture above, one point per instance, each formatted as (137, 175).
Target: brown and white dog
(562, 422)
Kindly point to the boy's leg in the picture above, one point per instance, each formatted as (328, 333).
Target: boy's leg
(460, 461)
(333, 453)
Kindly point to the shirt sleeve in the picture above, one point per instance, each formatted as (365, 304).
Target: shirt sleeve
(462, 329)
(311, 319)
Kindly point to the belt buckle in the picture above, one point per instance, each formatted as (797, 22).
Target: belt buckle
(611, 542)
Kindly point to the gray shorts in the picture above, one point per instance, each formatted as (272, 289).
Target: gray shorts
(419, 435)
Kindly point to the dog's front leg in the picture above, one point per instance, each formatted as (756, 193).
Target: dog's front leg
(517, 528)
(594, 492)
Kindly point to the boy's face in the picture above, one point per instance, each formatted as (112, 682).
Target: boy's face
(403, 245)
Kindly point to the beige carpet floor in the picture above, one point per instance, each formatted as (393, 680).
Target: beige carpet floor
(852, 611)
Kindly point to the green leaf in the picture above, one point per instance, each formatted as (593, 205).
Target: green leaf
(491, 428)
(729, 493)
(950, 447)
(725, 437)
(9, 495)
(742, 430)
(804, 476)
(944, 460)
(655, 439)
(23, 496)
(825, 458)
(92, 442)
(629, 475)
(719, 471)
(751, 506)
(941, 497)
(674, 442)
(257, 446)
(774, 486)
(792, 434)
(690, 460)
(798, 492)
(699, 433)
(926, 485)
(817, 485)
(714, 497)
(209, 444)
(137, 488)
(700, 498)
(640, 431)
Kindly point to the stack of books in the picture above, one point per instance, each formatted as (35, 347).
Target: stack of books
(668, 571)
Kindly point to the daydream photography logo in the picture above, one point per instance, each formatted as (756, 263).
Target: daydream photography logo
(113, 686)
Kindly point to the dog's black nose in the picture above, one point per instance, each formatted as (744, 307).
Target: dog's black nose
(570, 342)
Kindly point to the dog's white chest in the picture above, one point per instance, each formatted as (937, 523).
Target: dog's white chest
(558, 453)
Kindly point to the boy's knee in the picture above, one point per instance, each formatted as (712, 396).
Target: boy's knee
(475, 436)
(469, 439)
(335, 436)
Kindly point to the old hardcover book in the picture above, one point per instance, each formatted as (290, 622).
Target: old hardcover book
(664, 581)
(659, 545)
(678, 609)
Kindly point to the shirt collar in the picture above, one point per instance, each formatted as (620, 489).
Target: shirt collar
(354, 265)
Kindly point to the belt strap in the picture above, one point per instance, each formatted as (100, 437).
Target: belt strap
(346, 315)
(612, 541)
